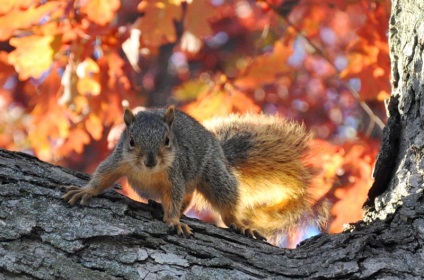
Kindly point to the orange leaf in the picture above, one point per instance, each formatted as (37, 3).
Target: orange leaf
(361, 54)
(369, 63)
(33, 55)
(355, 179)
(157, 25)
(94, 126)
(242, 103)
(21, 19)
(375, 84)
(117, 77)
(100, 11)
(215, 102)
(196, 21)
(209, 105)
(265, 68)
(76, 141)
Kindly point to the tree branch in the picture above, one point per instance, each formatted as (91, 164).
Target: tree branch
(41, 237)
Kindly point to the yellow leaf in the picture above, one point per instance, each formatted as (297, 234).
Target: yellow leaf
(87, 68)
(6, 6)
(88, 86)
(33, 55)
(190, 90)
(101, 11)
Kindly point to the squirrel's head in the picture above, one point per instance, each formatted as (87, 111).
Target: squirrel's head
(148, 139)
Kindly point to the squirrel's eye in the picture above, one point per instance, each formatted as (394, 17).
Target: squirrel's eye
(167, 142)
(132, 143)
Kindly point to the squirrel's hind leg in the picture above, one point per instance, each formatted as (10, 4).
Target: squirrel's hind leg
(220, 188)
(186, 202)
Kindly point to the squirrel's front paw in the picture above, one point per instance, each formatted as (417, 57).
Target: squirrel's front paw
(73, 194)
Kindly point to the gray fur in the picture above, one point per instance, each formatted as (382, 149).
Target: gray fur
(237, 147)
(198, 156)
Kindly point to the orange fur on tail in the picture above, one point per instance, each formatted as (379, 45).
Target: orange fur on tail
(267, 155)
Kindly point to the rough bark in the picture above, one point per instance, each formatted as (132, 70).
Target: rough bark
(41, 237)
(400, 165)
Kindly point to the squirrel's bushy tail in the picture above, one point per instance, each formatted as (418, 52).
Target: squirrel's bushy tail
(267, 155)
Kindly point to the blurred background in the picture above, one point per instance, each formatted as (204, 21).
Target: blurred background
(69, 68)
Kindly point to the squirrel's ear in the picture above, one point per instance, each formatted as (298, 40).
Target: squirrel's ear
(169, 115)
(128, 117)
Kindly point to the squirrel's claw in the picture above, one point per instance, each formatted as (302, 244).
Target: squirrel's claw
(75, 193)
(257, 235)
(182, 229)
(249, 232)
(187, 230)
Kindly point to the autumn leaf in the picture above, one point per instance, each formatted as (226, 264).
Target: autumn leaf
(157, 25)
(220, 102)
(49, 126)
(100, 12)
(116, 75)
(87, 68)
(88, 86)
(88, 78)
(369, 56)
(6, 6)
(242, 103)
(33, 55)
(233, 58)
(265, 68)
(76, 142)
(190, 90)
(374, 83)
(312, 17)
(355, 179)
(196, 25)
(20, 19)
(209, 105)
(363, 65)
(197, 18)
(94, 126)
(327, 159)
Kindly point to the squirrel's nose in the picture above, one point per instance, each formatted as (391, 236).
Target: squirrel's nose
(150, 160)
(150, 163)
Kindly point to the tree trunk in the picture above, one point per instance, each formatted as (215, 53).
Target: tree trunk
(400, 164)
(41, 237)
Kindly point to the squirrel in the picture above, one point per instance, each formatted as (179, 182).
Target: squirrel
(248, 168)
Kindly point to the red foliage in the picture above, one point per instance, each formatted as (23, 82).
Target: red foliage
(67, 70)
